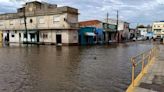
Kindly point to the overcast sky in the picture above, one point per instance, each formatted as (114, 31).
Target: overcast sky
(133, 11)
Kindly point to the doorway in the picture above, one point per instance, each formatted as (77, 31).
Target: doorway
(32, 37)
(19, 37)
(7, 37)
(58, 38)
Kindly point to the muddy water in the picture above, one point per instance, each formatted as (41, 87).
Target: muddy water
(67, 69)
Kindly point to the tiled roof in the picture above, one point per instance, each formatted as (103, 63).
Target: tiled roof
(89, 22)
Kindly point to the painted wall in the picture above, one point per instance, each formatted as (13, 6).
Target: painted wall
(60, 21)
(83, 37)
(14, 36)
(158, 28)
(68, 36)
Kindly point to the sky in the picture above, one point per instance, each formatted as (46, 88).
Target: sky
(135, 12)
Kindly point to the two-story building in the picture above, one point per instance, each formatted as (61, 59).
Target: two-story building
(40, 22)
(122, 28)
(158, 29)
(142, 30)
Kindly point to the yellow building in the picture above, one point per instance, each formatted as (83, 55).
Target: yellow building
(158, 29)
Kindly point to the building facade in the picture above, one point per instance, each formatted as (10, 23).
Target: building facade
(45, 23)
(142, 31)
(158, 29)
(109, 30)
(123, 29)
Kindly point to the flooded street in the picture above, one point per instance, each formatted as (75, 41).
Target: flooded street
(103, 68)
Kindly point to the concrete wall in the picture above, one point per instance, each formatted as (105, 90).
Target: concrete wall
(62, 21)
(14, 36)
(68, 36)
(73, 36)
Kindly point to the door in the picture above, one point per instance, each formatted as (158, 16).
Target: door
(19, 37)
(37, 36)
(7, 37)
(32, 37)
(58, 39)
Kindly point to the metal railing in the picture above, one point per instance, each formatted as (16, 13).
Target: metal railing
(142, 61)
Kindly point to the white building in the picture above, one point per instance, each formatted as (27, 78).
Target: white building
(123, 27)
(142, 31)
(158, 29)
(46, 23)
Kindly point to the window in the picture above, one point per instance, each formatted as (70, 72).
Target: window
(41, 20)
(157, 30)
(21, 21)
(25, 35)
(12, 35)
(45, 35)
(1, 23)
(11, 22)
(32, 35)
(31, 20)
(56, 18)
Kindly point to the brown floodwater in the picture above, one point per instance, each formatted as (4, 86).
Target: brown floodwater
(47, 68)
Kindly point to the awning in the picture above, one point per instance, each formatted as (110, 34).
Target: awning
(90, 34)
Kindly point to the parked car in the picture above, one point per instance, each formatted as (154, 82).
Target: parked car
(140, 38)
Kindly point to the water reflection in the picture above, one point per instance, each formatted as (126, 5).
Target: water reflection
(67, 69)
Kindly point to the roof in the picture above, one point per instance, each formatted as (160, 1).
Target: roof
(33, 2)
(42, 12)
(89, 22)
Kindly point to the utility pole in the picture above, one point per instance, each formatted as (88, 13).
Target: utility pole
(107, 17)
(117, 21)
(117, 26)
(25, 24)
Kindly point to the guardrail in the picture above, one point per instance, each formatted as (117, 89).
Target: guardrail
(142, 61)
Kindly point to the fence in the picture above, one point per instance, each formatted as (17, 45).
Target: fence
(143, 61)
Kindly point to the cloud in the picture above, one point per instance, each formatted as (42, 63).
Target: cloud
(133, 11)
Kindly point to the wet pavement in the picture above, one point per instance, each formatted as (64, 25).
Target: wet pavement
(103, 68)
(153, 81)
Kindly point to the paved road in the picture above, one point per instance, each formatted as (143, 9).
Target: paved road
(153, 81)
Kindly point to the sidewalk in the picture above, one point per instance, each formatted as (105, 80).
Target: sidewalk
(153, 81)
